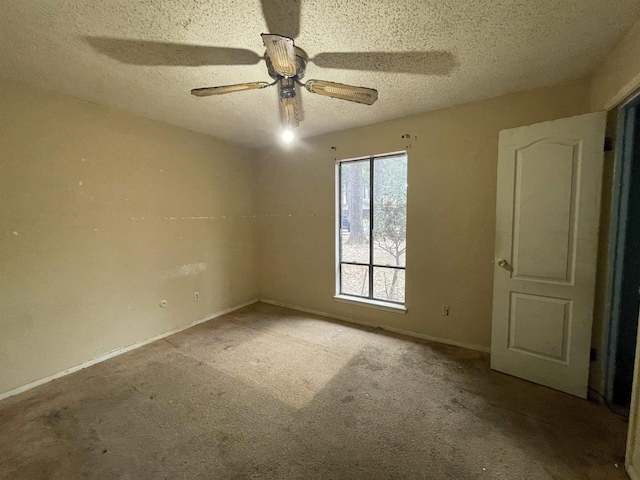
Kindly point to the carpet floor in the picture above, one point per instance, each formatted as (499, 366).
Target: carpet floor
(270, 393)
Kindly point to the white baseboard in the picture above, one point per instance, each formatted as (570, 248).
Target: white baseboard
(120, 351)
(409, 333)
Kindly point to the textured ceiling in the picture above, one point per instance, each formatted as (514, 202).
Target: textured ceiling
(475, 49)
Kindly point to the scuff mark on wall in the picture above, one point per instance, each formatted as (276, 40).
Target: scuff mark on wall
(187, 270)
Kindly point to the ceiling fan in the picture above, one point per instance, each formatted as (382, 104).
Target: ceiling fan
(286, 64)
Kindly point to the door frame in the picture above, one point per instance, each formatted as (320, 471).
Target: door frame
(627, 116)
(629, 461)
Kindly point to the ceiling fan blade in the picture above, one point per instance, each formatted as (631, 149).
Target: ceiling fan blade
(424, 63)
(282, 16)
(207, 91)
(289, 112)
(289, 103)
(282, 54)
(368, 96)
(142, 52)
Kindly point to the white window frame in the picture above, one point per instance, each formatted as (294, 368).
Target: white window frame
(386, 305)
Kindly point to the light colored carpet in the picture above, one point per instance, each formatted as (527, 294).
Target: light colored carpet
(269, 393)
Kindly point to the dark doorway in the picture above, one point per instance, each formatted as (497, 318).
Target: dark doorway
(626, 278)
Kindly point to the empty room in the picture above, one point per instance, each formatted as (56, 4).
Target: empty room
(294, 239)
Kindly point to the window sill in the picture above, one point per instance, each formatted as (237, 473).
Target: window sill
(368, 303)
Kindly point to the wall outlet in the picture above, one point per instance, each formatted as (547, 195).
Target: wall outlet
(196, 296)
(445, 311)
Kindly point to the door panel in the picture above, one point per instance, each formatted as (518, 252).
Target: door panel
(539, 325)
(544, 199)
(547, 218)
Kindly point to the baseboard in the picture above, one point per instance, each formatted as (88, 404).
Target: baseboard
(409, 333)
(120, 351)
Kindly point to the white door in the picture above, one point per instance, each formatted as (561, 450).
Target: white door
(547, 218)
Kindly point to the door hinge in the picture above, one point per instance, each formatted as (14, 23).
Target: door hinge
(608, 144)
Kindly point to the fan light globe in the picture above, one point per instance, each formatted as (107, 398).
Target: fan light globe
(287, 136)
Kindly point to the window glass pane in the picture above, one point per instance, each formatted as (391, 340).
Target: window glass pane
(355, 280)
(354, 206)
(390, 211)
(388, 284)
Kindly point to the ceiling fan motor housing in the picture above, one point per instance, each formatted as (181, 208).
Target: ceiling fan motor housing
(287, 88)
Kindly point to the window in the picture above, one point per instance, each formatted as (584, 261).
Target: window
(372, 225)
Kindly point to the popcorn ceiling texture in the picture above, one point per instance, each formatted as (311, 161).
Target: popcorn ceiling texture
(477, 50)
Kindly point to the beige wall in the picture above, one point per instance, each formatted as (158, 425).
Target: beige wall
(451, 211)
(619, 75)
(103, 215)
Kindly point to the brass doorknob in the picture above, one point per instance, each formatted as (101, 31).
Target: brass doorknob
(502, 262)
